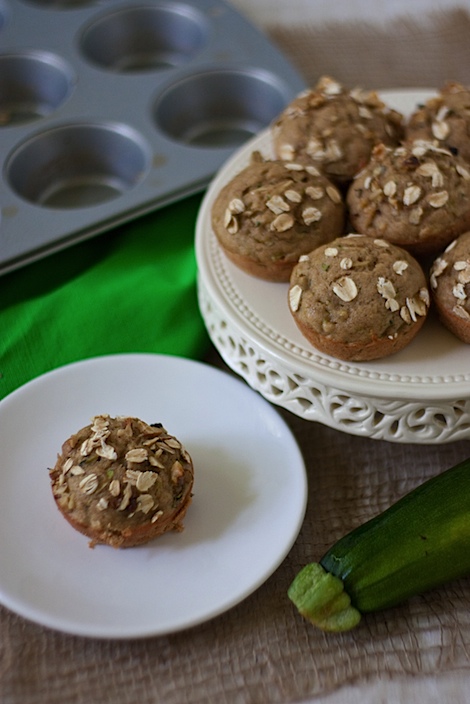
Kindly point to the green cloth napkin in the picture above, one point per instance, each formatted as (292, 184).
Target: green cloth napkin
(132, 289)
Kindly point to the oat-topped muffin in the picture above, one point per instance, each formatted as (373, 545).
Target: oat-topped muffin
(416, 196)
(335, 129)
(444, 119)
(122, 482)
(358, 299)
(272, 212)
(450, 287)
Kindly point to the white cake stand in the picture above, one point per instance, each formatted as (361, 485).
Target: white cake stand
(420, 395)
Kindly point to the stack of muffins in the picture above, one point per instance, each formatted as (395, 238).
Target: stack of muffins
(365, 214)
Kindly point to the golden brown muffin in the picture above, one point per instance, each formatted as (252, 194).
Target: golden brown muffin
(444, 119)
(450, 287)
(271, 212)
(358, 299)
(335, 129)
(416, 196)
(122, 482)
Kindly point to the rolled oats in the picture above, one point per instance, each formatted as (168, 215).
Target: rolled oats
(76, 470)
(314, 192)
(460, 265)
(295, 296)
(400, 266)
(293, 196)
(232, 226)
(146, 480)
(287, 152)
(416, 216)
(106, 451)
(145, 503)
(177, 472)
(311, 215)
(438, 200)
(462, 171)
(440, 129)
(278, 205)
(345, 289)
(89, 484)
(137, 455)
(115, 487)
(461, 312)
(411, 195)
(282, 223)
(333, 194)
(459, 291)
(126, 497)
(390, 189)
(102, 504)
(236, 205)
(464, 275)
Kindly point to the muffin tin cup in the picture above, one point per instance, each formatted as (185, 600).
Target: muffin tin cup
(113, 109)
(218, 107)
(145, 38)
(78, 165)
(32, 85)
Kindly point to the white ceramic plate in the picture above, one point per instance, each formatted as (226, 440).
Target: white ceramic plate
(421, 394)
(249, 499)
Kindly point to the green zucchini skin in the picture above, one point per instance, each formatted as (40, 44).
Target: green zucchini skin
(419, 543)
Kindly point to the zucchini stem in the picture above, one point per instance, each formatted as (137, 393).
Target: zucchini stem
(320, 598)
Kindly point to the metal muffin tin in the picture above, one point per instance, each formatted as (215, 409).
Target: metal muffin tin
(111, 109)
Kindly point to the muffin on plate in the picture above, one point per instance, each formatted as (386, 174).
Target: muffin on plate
(358, 298)
(450, 287)
(122, 482)
(416, 196)
(444, 119)
(335, 129)
(271, 212)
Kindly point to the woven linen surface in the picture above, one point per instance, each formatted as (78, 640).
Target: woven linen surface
(406, 51)
(261, 651)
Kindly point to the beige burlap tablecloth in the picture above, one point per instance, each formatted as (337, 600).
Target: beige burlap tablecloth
(261, 651)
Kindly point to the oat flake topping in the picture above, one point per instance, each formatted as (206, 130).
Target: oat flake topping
(345, 289)
(411, 195)
(461, 312)
(438, 200)
(295, 295)
(400, 266)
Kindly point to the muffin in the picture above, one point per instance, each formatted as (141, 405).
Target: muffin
(335, 129)
(450, 287)
(271, 212)
(358, 298)
(122, 482)
(444, 119)
(416, 196)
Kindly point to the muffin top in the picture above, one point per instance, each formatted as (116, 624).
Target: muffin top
(358, 296)
(450, 279)
(335, 129)
(272, 212)
(118, 475)
(444, 119)
(416, 196)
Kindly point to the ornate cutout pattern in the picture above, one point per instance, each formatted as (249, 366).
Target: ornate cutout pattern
(392, 420)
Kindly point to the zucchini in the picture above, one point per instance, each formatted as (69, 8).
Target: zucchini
(417, 544)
